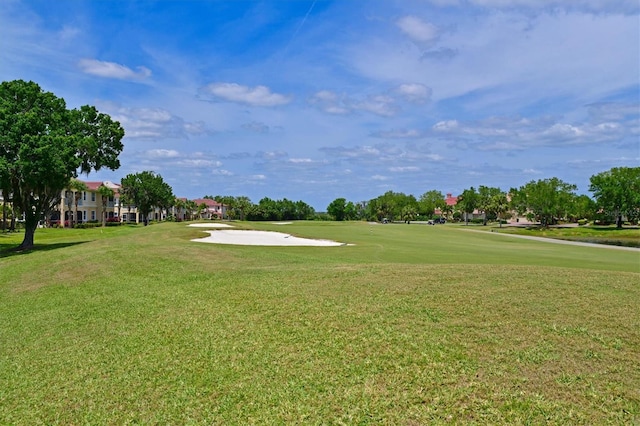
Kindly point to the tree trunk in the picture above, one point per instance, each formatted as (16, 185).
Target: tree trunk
(4, 215)
(30, 225)
(619, 221)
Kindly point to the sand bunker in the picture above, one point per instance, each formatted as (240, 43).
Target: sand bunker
(262, 238)
(210, 225)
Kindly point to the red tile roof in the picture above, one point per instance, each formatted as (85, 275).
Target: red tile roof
(451, 201)
(207, 201)
(93, 186)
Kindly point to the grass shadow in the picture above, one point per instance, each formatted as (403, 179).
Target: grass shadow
(6, 251)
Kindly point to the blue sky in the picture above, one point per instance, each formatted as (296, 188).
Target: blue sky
(314, 100)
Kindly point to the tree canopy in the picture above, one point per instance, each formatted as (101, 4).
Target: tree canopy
(468, 201)
(617, 192)
(337, 209)
(429, 202)
(147, 190)
(43, 145)
(547, 199)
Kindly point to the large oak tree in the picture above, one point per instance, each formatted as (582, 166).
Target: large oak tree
(617, 192)
(547, 199)
(147, 190)
(43, 145)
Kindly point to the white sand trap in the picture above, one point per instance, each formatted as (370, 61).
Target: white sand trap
(262, 238)
(210, 225)
(281, 223)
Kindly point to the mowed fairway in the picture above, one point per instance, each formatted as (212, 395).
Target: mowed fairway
(412, 325)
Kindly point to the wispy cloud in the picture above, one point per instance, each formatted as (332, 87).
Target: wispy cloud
(113, 70)
(398, 134)
(414, 92)
(597, 6)
(256, 127)
(418, 30)
(516, 133)
(153, 123)
(254, 96)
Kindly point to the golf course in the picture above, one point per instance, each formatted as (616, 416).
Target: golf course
(400, 325)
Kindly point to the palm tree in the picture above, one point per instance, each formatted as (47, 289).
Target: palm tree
(192, 207)
(500, 205)
(77, 186)
(408, 213)
(179, 205)
(447, 210)
(105, 192)
(201, 209)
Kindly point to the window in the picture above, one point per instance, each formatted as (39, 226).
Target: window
(93, 196)
(84, 215)
(93, 215)
(84, 195)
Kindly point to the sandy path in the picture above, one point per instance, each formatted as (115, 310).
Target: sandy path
(556, 241)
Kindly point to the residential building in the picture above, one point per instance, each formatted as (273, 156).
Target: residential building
(213, 209)
(90, 207)
(87, 203)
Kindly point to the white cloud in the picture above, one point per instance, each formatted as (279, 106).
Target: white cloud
(509, 133)
(379, 177)
(152, 123)
(254, 96)
(404, 169)
(382, 104)
(446, 126)
(531, 172)
(398, 134)
(563, 131)
(221, 172)
(330, 102)
(272, 155)
(598, 6)
(325, 96)
(198, 163)
(418, 30)
(300, 160)
(379, 104)
(162, 153)
(113, 70)
(414, 92)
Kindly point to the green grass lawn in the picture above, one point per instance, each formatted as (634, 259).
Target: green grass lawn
(610, 235)
(412, 325)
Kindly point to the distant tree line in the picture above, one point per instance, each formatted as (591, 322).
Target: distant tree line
(547, 201)
(616, 196)
(241, 208)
